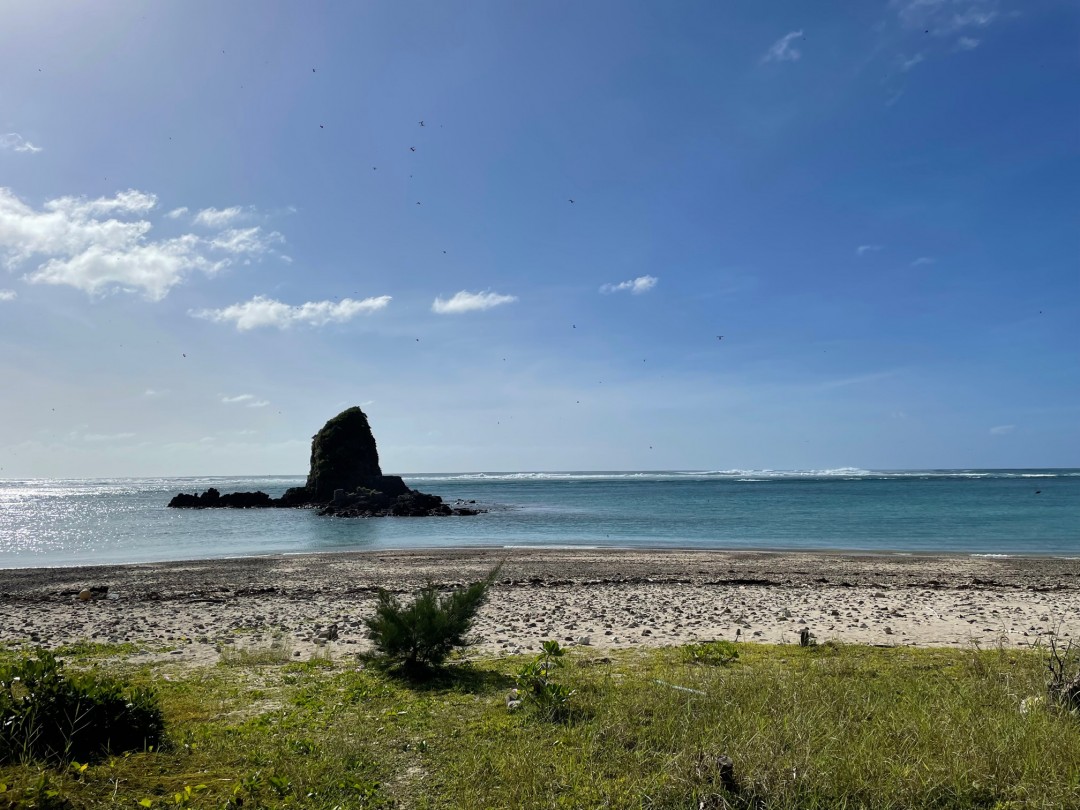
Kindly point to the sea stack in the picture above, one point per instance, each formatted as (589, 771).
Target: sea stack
(344, 456)
(344, 479)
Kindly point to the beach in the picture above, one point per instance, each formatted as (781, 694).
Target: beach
(190, 612)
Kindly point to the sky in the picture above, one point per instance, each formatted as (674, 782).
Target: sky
(539, 235)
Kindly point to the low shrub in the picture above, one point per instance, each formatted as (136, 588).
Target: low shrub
(420, 636)
(714, 653)
(48, 715)
(538, 688)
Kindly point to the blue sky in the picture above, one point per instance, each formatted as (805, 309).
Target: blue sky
(215, 233)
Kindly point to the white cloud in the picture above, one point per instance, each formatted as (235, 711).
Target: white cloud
(152, 269)
(1002, 430)
(246, 240)
(8, 295)
(248, 400)
(470, 302)
(261, 311)
(862, 250)
(635, 285)
(102, 245)
(176, 213)
(150, 393)
(218, 217)
(782, 50)
(923, 260)
(967, 43)
(908, 64)
(17, 143)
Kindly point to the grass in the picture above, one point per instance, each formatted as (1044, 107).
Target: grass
(817, 727)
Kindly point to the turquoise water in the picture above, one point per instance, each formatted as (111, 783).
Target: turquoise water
(83, 522)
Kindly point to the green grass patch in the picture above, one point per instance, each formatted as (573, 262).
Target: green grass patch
(816, 727)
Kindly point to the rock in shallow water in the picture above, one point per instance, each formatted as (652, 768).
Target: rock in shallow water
(344, 480)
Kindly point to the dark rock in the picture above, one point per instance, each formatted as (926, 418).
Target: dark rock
(343, 456)
(245, 500)
(344, 480)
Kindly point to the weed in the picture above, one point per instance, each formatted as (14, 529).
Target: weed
(714, 653)
(1063, 686)
(538, 688)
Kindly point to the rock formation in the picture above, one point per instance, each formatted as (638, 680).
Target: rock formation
(344, 479)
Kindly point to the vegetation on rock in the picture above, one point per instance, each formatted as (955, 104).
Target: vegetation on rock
(343, 455)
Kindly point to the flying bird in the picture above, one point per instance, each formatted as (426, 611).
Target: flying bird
(412, 148)
(719, 337)
(571, 200)
(421, 122)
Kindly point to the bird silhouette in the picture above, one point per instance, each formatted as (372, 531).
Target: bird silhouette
(421, 122)
(571, 200)
(412, 148)
(719, 337)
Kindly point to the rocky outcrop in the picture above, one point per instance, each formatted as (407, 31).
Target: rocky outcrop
(344, 480)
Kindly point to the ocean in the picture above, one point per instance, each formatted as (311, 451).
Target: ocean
(995, 512)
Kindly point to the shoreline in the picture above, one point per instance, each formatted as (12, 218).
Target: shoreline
(187, 611)
(567, 547)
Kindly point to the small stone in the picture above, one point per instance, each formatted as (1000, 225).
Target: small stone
(85, 595)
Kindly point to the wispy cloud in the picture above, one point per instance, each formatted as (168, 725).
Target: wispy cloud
(1002, 430)
(107, 437)
(636, 286)
(151, 393)
(862, 250)
(923, 260)
(176, 213)
(908, 64)
(218, 217)
(262, 312)
(8, 295)
(783, 50)
(247, 400)
(246, 240)
(470, 302)
(17, 143)
(967, 43)
(945, 17)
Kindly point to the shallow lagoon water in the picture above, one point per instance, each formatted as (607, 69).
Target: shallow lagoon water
(99, 521)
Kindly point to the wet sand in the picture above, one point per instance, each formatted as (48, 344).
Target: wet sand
(611, 598)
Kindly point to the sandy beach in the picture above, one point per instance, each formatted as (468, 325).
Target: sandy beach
(188, 612)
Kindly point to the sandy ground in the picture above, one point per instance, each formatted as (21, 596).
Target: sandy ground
(188, 612)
